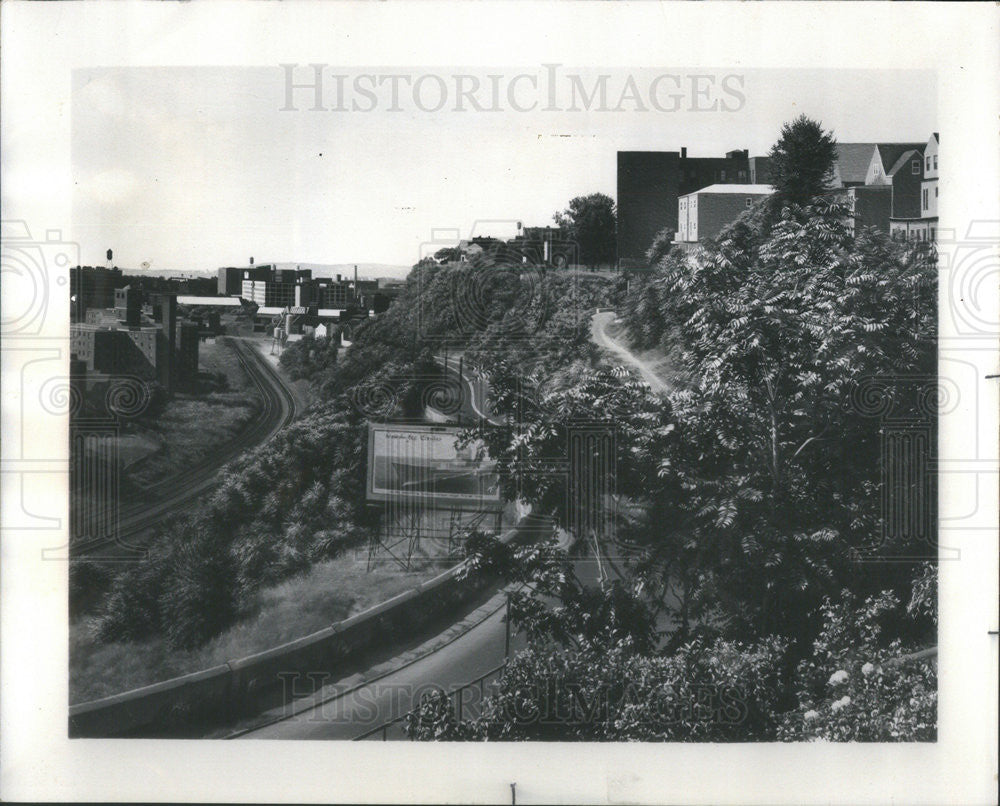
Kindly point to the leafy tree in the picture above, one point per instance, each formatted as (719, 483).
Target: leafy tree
(591, 222)
(296, 500)
(661, 246)
(860, 685)
(801, 162)
(771, 481)
(591, 670)
(448, 254)
(312, 358)
(540, 417)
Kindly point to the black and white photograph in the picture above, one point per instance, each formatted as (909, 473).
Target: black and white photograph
(368, 381)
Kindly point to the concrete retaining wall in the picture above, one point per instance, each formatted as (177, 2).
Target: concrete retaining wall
(232, 687)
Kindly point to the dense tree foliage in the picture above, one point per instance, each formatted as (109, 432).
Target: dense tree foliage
(283, 506)
(801, 163)
(742, 498)
(592, 223)
(772, 479)
(758, 483)
(312, 358)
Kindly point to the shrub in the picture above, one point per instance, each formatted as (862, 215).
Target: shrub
(88, 582)
(721, 691)
(858, 686)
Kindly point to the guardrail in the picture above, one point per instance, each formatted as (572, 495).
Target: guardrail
(227, 690)
(455, 692)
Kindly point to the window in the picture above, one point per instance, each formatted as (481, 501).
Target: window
(935, 191)
(749, 203)
(925, 198)
(915, 167)
(723, 174)
(935, 162)
(928, 163)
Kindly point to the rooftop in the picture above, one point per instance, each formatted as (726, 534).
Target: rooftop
(744, 190)
(229, 302)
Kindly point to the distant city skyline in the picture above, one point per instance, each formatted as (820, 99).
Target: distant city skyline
(190, 169)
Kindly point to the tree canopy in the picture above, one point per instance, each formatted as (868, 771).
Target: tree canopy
(802, 162)
(591, 222)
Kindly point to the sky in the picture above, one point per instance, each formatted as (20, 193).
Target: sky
(191, 168)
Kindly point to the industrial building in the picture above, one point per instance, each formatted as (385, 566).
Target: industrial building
(704, 213)
(119, 342)
(650, 184)
(889, 186)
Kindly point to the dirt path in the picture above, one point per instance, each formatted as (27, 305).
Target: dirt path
(600, 336)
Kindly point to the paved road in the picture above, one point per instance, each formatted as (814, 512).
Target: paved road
(600, 336)
(278, 409)
(474, 404)
(475, 653)
(348, 711)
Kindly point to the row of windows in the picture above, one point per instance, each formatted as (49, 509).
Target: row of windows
(915, 235)
(926, 205)
(929, 163)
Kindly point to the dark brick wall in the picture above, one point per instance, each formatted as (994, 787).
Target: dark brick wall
(649, 184)
(647, 199)
(872, 207)
(906, 190)
(717, 210)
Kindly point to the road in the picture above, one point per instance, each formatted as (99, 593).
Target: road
(277, 410)
(474, 405)
(475, 653)
(600, 336)
(348, 712)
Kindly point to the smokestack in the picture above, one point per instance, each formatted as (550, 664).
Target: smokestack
(355, 282)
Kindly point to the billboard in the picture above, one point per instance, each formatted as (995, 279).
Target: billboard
(423, 463)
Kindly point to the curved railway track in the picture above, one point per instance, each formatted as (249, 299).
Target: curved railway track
(277, 410)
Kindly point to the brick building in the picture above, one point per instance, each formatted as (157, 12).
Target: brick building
(91, 287)
(650, 184)
(705, 212)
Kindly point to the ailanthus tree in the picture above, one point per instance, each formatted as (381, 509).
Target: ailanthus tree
(773, 477)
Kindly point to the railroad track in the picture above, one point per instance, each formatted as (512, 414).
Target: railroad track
(277, 410)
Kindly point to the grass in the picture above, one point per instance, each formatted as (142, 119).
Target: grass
(193, 425)
(326, 593)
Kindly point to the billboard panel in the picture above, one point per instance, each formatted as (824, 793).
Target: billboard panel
(423, 463)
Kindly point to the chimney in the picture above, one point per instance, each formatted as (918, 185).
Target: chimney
(684, 152)
(251, 260)
(355, 282)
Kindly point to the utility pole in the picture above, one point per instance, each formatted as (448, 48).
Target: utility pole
(460, 376)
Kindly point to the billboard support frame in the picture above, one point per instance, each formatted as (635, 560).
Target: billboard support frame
(387, 540)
